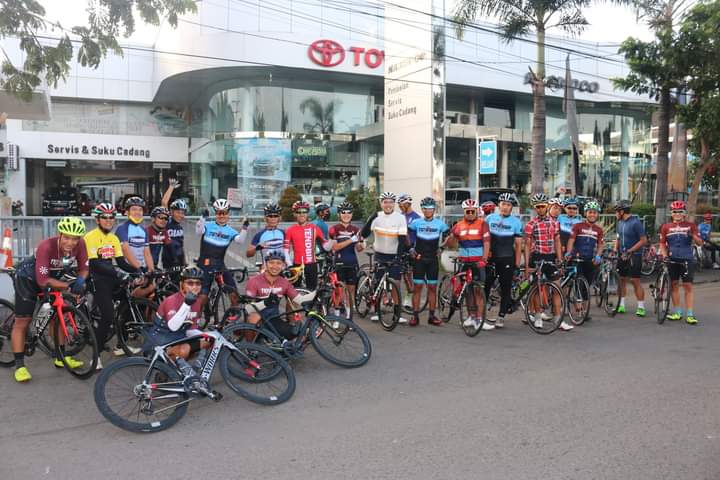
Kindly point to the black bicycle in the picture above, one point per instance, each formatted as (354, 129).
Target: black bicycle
(221, 295)
(577, 292)
(149, 394)
(661, 288)
(379, 293)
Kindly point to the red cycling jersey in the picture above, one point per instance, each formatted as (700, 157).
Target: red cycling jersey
(300, 240)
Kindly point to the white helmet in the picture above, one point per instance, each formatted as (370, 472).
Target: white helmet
(221, 204)
(387, 196)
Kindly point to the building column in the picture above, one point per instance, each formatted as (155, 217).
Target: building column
(364, 173)
(504, 162)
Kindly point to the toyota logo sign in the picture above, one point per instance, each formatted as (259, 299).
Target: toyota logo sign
(329, 53)
(326, 53)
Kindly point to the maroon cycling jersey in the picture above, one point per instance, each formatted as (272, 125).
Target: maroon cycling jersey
(169, 307)
(49, 262)
(259, 287)
(300, 240)
(342, 233)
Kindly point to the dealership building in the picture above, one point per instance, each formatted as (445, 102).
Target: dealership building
(244, 100)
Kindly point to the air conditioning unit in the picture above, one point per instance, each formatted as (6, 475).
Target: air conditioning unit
(466, 118)
(379, 113)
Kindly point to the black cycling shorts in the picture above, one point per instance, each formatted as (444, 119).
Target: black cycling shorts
(347, 273)
(632, 267)
(426, 270)
(682, 270)
(549, 269)
(478, 272)
(394, 270)
(26, 292)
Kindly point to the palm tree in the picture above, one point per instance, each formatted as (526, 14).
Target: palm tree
(322, 116)
(519, 18)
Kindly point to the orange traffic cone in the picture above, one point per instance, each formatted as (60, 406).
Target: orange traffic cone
(6, 255)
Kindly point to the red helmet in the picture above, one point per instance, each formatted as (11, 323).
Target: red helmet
(488, 207)
(707, 216)
(469, 204)
(677, 205)
(300, 205)
(104, 208)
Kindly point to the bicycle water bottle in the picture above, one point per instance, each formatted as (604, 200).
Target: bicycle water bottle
(524, 286)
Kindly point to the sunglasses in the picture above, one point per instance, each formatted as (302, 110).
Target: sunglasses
(274, 215)
(682, 212)
(571, 208)
(346, 213)
(540, 206)
(301, 212)
(107, 217)
(222, 213)
(470, 212)
(193, 283)
(163, 218)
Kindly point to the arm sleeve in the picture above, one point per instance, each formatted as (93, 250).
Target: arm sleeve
(42, 266)
(402, 244)
(240, 237)
(102, 267)
(302, 298)
(367, 228)
(124, 265)
(176, 321)
(200, 226)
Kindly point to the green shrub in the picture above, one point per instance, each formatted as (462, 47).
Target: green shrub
(364, 202)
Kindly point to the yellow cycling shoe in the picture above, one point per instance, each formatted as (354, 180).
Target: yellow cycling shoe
(22, 375)
(72, 363)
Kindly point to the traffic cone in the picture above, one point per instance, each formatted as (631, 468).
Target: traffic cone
(6, 255)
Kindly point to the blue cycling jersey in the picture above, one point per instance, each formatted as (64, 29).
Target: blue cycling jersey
(324, 227)
(503, 232)
(215, 240)
(629, 233)
(566, 225)
(427, 235)
(136, 237)
(705, 230)
(272, 239)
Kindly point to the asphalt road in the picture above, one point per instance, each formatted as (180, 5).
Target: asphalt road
(620, 398)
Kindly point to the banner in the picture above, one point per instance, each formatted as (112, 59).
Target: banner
(263, 171)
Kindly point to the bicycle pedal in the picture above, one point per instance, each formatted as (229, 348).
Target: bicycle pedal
(215, 396)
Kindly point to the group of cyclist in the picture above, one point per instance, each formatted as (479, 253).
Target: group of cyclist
(487, 234)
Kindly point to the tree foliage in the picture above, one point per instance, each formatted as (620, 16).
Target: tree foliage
(289, 196)
(49, 60)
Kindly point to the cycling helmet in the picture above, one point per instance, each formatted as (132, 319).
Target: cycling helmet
(179, 204)
(272, 209)
(104, 208)
(469, 204)
(274, 255)
(71, 226)
(488, 207)
(300, 205)
(221, 205)
(134, 202)
(345, 207)
(191, 272)
(622, 205)
(507, 197)
(678, 205)
(571, 201)
(387, 196)
(538, 198)
(159, 211)
(592, 205)
(555, 201)
(404, 198)
(321, 206)
(707, 216)
(427, 202)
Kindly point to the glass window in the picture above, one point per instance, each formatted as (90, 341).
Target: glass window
(497, 117)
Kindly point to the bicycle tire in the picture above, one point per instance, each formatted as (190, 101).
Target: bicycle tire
(662, 297)
(387, 312)
(493, 302)
(444, 300)
(248, 332)
(612, 293)
(82, 340)
(160, 371)
(599, 285)
(7, 321)
(476, 289)
(554, 291)
(578, 293)
(130, 332)
(363, 303)
(255, 367)
(336, 330)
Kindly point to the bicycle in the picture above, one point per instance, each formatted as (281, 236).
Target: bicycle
(546, 295)
(62, 331)
(650, 260)
(340, 301)
(660, 289)
(518, 296)
(378, 292)
(577, 292)
(220, 296)
(324, 332)
(456, 291)
(407, 277)
(132, 316)
(158, 393)
(607, 283)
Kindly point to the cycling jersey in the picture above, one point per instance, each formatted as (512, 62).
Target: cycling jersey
(170, 306)
(629, 233)
(156, 240)
(173, 254)
(101, 245)
(428, 234)
(566, 223)
(342, 233)
(409, 218)
(387, 230)
(705, 229)
(271, 238)
(678, 239)
(503, 232)
(470, 236)
(324, 227)
(49, 262)
(587, 238)
(136, 237)
(215, 241)
(259, 287)
(300, 240)
(542, 231)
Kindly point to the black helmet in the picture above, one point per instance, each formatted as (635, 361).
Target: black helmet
(157, 211)
(275, 255)
(189, 273)
(623, 205)
(134, 202)
(321, 207)
(271, 208)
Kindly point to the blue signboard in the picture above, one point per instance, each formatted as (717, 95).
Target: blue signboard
(487, 157)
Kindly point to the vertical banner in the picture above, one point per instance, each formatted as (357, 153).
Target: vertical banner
(414, 101)
(263, 171)
(487, 157)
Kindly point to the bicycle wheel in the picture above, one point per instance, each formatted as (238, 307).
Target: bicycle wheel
(445, 298)
(220, 306)
(363, 302)
(132, 396)
(649, 264)
(545, 299)
(79, 342)
(612, 293)
(386, 308)
(7, 321)
(257, 374)
(340, 341)
(131, 330)
(474, 294)
(247, 332)
(578, 300)
(493, 300)
(340, 304)
(599, 287)
(662, 297)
